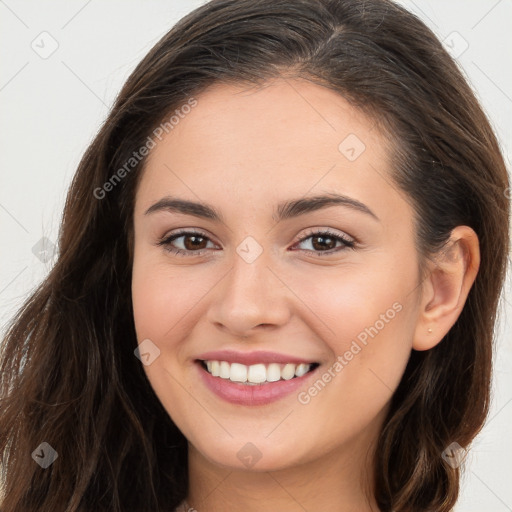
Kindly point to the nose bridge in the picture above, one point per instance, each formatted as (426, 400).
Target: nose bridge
(250, 294)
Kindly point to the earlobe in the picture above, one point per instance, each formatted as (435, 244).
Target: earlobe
(445, 290)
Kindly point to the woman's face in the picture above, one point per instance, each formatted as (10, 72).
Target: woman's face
(260, 291)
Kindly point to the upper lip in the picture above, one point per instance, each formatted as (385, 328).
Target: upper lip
(249, 358)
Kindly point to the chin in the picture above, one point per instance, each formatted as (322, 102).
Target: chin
(256, 455)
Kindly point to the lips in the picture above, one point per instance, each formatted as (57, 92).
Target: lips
(253, 378)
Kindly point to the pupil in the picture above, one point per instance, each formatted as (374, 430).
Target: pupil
(195, 243)
(322, 239)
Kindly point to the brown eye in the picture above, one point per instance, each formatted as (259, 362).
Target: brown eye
(193, 243)
(324, 242)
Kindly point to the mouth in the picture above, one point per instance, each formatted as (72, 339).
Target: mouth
(255, 378)
(259, 374)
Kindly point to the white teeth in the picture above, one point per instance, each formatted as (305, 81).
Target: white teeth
(238, 372)
(288, 372)
(256, 373)
(273, 372)
(215, 371)
(301, 369)
(225, 368)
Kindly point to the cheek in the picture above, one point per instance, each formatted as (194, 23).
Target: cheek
(366, 318)
(150, 298)
(349, 301)
(370, 346)
(163, 304)
(166, 299)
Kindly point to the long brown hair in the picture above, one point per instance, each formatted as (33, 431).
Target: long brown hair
(69, 376)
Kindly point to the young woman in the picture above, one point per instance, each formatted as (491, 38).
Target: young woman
(278, 275)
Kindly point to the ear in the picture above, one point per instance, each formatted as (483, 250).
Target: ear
(452, 272)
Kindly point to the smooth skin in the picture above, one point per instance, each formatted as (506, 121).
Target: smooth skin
(244, 150)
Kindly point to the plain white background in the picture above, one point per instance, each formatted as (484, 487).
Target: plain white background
(53, 104)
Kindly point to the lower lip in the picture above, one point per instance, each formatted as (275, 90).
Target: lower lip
(260, 394)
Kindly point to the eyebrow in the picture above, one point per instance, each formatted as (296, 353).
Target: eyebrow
(285, 210)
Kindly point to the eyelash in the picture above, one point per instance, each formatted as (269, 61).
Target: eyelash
(166, 242)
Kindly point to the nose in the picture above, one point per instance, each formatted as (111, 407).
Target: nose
(250, 298)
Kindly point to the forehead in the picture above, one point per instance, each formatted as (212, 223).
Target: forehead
(286, 138)
(282, 119)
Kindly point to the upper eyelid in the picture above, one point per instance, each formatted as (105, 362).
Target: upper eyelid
(309, 232)
(187, 231)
